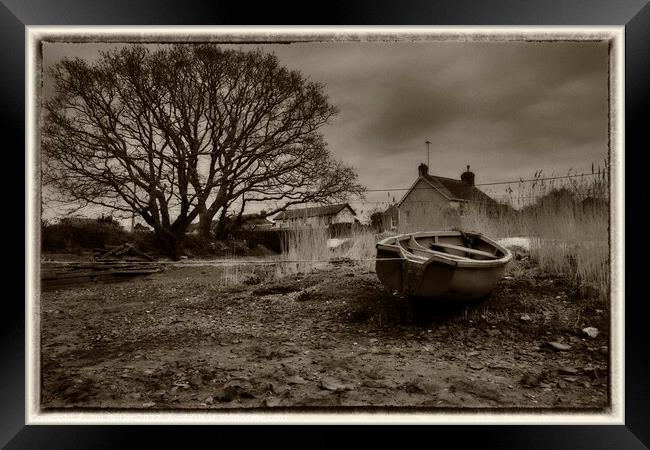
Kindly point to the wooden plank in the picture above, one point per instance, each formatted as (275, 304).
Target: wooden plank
(142, 254)
(60, 276)
(97, 263)
(443, 254)
(415, 245)
(472, 251)
(107, 271)
(136, 272)
(113, 251)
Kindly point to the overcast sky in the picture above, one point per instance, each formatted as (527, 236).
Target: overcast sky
(507, 109)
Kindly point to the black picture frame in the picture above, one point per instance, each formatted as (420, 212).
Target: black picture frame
(15, 15)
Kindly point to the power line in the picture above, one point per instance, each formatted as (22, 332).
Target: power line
(509, 197)
(499, 182)
(540, 179)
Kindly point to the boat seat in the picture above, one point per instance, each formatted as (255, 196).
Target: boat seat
(415, 246)
(443, 254)
(472, 251)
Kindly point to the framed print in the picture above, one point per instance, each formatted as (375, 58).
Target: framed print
(414, 217)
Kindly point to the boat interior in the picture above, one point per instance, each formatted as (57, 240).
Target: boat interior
(455, 247)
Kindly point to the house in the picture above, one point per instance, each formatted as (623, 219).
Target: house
(317, 216)
(386, 220)
(253, 221)
(434, 202)
(139, 228)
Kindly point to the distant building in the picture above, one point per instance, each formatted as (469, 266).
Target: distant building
(316, 216)
(253, 221)
(387, 220)
(432, 198)
(139, 228)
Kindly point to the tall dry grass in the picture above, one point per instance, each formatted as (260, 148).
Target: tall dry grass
(363, 250)
(567, 222)
(305, 249)
(573, 240)
(234, 275)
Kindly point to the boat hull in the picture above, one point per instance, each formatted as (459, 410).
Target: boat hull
(439, 276)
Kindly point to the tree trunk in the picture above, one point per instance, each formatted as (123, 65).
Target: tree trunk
(205, 226)
(170, 243)
(221, 230)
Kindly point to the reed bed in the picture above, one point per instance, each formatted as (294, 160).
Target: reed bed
(566, 222)
(569, 224)
(306, 248)
(363, 250)
(303, 249)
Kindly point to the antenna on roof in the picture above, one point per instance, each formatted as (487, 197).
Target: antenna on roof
(428, 143)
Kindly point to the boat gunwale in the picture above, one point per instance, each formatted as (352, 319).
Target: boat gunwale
(470, 263)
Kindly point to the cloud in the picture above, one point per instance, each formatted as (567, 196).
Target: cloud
(507, 109)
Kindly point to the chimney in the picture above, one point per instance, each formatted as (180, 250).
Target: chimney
(423, 170)
(468, 177)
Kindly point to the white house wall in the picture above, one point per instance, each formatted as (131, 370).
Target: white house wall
(343, 216)
(423, 209)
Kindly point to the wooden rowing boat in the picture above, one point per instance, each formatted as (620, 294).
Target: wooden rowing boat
(453, 265)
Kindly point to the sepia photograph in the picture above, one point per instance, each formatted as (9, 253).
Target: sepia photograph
(422, 223)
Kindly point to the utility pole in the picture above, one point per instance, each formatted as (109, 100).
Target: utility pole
(428, 143)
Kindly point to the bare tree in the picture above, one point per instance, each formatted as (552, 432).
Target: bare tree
(188, 131)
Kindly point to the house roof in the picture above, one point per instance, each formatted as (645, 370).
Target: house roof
(451, 189)
(327, 210)
(249, 219)
(255, 219)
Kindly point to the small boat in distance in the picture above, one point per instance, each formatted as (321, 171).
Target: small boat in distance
(454, 265)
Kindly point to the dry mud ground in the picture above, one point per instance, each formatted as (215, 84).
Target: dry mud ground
(333, 338)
